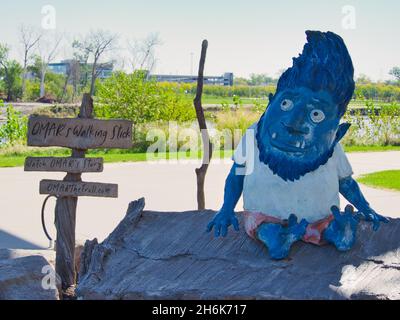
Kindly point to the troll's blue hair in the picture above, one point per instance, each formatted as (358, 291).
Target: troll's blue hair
(324, 64)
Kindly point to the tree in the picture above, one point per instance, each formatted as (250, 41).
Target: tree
(11, 72)
(142, 52)
(73, 75)
(47, 47)
(53, 84)
(82, 58)
(260, 79)
(240, 81)
(363, 79)
(395, 71)
(29, 38)
(95, 45)
(132, 97)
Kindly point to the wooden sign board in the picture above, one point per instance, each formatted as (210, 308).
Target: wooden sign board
(79, 133)
(57, 164)
(78, 189)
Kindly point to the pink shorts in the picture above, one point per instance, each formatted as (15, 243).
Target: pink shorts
(313, 232)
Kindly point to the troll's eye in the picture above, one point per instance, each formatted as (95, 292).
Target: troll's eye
(317, 115)
(286, 104)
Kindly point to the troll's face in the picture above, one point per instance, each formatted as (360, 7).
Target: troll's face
(300, 127)
(301, 123)
(298, 131)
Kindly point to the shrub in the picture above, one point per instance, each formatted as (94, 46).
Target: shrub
(32, 90)
(374, 126)
(54, 85)
(233, 124)
(12, 80)
(132, 97)
(14, 130)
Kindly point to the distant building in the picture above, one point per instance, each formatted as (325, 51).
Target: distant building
(104, 70)
(225, 80)
(59, 68)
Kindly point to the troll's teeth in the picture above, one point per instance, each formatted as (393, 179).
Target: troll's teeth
(274, 135)
(297, 144)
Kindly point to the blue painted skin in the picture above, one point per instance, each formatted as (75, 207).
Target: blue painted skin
(279, 239)
(341, 232)
(309, 109)
(349, 188)
(226, 216)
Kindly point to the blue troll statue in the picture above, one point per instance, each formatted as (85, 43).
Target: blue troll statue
(290, 163)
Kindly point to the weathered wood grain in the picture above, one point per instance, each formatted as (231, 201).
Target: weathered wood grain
(63, 164)
(78, 189)
(79, 133)
(23, 275)
(65, 216)
(168, 255)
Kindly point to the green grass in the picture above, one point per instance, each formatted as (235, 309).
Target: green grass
(15, 159)
(371, 148)
(135, 157)
(209, 99)
(7, 162)
(389, 179)
(18, 161)
(220, 100)
(355, 104)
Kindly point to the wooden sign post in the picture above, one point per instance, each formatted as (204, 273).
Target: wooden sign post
(80, 134)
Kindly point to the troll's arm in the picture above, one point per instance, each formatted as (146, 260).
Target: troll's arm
(349, 188)
(226, 215)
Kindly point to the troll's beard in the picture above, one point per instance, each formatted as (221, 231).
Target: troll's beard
(285, 165)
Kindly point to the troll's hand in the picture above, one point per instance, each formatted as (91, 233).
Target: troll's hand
(221, 221)
(341, 232)
(369, 214)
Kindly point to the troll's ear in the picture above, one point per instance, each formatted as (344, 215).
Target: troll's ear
(342, 130)
(270, 97)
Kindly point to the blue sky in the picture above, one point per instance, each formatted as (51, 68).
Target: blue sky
(244, 37)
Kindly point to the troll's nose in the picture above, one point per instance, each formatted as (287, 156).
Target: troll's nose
(296, 127)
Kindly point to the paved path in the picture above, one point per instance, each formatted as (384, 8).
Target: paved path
(166, 187)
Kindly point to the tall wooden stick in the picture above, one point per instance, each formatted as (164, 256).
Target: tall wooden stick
(207, 145)
(65, 216)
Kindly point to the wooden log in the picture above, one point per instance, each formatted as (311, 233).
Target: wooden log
(79, 133)
(78, 189)
(167, 255)
(93, 255)
(66, 164)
